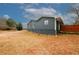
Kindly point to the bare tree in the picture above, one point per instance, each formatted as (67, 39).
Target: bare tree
(75, 10)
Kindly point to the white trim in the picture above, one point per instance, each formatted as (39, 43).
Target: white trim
(46, 22)
(55, 27)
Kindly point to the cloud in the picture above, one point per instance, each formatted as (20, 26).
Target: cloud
(35, 11)
(41, 10)
(69, 18)
(29, 5)
(6, 16)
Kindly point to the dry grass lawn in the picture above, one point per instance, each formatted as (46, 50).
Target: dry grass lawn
(24, 42)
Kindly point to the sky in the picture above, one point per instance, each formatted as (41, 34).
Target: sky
(25, 12)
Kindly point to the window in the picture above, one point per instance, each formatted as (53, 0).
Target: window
(46, 22)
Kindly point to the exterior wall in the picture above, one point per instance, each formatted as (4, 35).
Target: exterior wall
(40, 27)
(40, 24)
(69, 28)
(29, 26)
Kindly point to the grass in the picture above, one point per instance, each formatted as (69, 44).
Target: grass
(25, 42)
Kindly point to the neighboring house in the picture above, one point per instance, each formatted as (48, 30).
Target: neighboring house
(45, 25)
(24, 26)
(3, 24)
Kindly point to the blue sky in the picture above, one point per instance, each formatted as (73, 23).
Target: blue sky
(30, 11)
(12, 10)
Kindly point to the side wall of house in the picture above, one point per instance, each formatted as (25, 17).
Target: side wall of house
(41, 27)
(29, 26)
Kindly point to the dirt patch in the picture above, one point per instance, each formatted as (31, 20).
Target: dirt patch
(25, 42)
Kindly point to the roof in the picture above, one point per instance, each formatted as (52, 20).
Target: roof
(45, 17)
(59, 20)
(40, 19)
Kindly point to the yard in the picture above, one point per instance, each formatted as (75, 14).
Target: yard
(24, 42)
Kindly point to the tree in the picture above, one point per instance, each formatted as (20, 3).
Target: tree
(19, 26)
(75, 10)
(11, 23)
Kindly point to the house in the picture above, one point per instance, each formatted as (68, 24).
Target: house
(45, 25)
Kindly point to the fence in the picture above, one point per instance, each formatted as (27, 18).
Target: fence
(69, 28)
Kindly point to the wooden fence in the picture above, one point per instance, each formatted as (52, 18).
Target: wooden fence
(69, 28)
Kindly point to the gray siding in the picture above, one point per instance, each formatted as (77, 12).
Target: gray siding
(40, 27)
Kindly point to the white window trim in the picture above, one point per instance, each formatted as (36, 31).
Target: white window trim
(46, 22)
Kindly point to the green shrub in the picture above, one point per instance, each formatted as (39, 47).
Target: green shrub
(19, 26)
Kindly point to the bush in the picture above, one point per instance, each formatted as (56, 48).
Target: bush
(19, 26)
